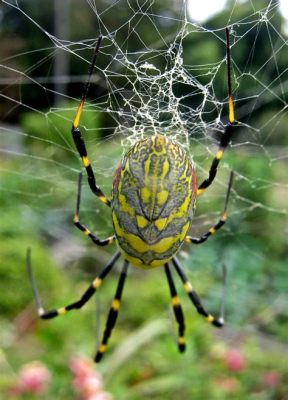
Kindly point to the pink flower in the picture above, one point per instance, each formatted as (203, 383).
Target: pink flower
(235, 360)
(87, 382)
(80, 366)
(33, 378)
(228, 385)
(87, 385)
(100, 396)
(271, 379)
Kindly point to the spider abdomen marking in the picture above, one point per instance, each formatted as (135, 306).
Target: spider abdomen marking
(154, 192)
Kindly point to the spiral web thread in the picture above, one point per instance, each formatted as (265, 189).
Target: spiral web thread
(148, 101)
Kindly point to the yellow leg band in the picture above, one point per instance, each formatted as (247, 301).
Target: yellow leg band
(103, 199)
(175, 301)
(181, 340)
(96, 283)
(116, 304)
(210, 318)
(200, 191)
(102, 348)
(231, 110)
(219, 154)
(77, 116)
(85, 161)
(188, 287)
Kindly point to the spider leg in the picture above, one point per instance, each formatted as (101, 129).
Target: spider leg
(83, 228)
(219, 322)
(77, 304)
(113, 313)
(219, 224)
(229, 128)
(77, 137)
(178, 312)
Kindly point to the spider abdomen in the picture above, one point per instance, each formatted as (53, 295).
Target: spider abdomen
(154, 192)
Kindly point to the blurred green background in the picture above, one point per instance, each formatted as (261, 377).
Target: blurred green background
(45, 53)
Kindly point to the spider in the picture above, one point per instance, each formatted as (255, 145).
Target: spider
(154, 194)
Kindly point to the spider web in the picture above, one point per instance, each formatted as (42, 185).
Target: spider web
(157, 72)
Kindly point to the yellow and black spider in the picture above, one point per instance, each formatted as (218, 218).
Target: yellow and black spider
(153, 198)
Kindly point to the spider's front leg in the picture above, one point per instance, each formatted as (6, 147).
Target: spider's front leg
(229, 128)
(219, 224)
(83, 228)
(77, 137)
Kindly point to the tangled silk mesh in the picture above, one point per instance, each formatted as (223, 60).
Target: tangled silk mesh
(148, 100)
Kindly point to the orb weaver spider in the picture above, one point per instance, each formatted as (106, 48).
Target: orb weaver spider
(153, 198)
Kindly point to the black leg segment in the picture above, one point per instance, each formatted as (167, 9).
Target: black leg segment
(83, 228)
(219, 224)
(113, 314)
(178, 312)
(77, 304)
(77, 137)
(219, 322)
(229, 129)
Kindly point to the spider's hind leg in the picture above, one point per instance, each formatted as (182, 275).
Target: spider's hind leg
(219, 322)
(113, 313)
(75, 305)
(178, 312)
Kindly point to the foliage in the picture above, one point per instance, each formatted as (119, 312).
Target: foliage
(150, 368)
(51, 128)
